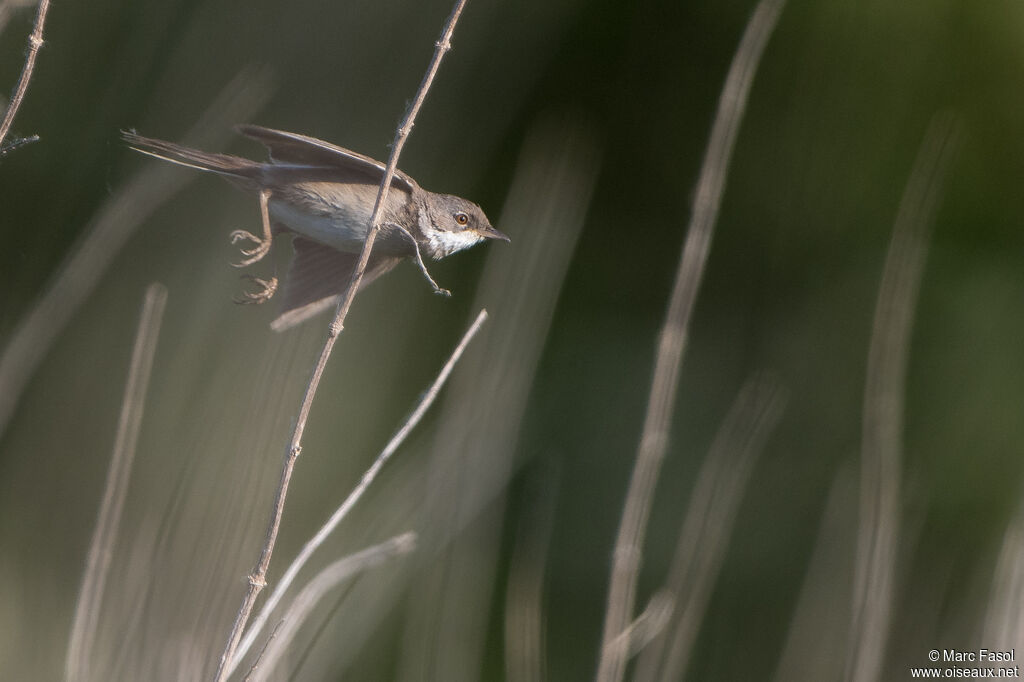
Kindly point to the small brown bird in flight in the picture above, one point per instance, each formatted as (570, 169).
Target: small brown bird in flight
(324, 194)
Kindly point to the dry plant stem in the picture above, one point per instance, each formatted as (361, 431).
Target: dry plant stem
(441, 48)
(35, 41)
(101, 548)
(672, 341)
(371, 474)
(259, 658)
(102, 239)
(257, 579)
(884, 391)
(327, 579)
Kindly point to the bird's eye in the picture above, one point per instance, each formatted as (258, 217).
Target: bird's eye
(461, 218)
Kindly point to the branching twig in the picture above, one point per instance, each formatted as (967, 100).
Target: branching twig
(35, 41)
(257, 580)
(672, 341)
(328, 578)
(90, 598)
(396, 441)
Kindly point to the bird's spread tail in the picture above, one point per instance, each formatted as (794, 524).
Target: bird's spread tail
(223, 164)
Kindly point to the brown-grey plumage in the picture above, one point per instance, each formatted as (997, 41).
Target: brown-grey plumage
(324, 195)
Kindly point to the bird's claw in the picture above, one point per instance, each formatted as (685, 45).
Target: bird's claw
(267, 289)
(442, 292)
(254, 254)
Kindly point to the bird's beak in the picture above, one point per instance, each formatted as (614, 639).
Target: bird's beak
(489, 232)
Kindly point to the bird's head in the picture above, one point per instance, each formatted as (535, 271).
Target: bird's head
(452, 224)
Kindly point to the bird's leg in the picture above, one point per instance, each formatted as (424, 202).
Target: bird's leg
(262, 245)
(267, 289)
(419, 260)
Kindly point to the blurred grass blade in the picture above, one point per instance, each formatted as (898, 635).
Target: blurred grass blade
(707, 526)
(101, 548)
(474, 449)
(672, 340)
(821, 618)
(525, 651)
(884, 394)
(1004, 622)
(123, 213)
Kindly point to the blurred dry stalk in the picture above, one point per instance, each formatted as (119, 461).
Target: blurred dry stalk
(108, 522)
(816, 641)
(673, 337)
(1004, 622)
(525, 651)
(462, 518)
(313, 593)
(645, 628)
(35, 41)
(189, 534)
(884, 394)
(115, 222)
(704, 536)
(257, 579)
(8, 6)
(426, 401)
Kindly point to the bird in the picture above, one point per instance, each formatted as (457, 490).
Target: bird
(323, 195)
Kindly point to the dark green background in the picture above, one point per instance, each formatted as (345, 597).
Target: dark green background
(838, 110)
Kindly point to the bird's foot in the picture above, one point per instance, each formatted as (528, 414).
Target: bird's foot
(255, 254)
(440, 291)
(267, 288)
(262, 244)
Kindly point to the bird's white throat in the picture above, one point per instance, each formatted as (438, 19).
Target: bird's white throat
(443, 243)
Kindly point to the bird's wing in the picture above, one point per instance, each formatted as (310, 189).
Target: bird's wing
(318, 276)
(292, 148)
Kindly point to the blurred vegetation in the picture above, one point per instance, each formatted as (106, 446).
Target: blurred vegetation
(838, 110)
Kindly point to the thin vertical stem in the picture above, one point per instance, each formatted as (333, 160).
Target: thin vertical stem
(35, 41)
